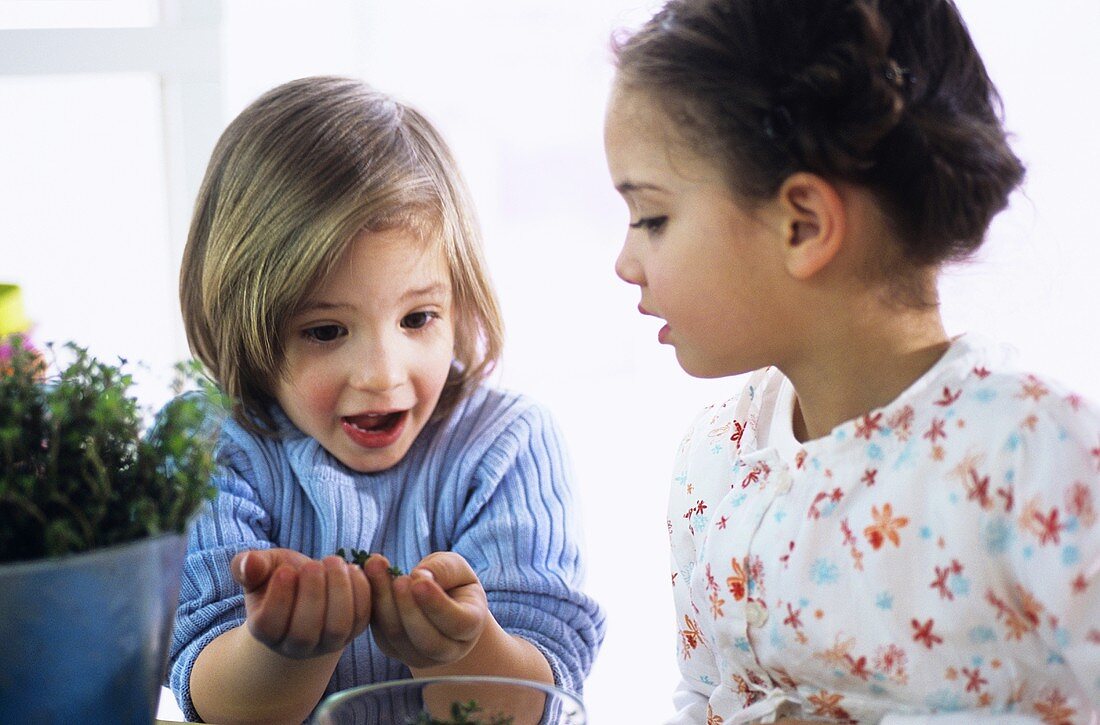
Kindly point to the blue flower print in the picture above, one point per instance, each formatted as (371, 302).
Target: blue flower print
(824, 571)
(997, 536)
(982, 635)
(1070, 555)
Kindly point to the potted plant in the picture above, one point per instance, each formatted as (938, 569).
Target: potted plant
(93, 514)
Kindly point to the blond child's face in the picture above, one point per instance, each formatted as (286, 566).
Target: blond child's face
(367, 359)
(704, 263)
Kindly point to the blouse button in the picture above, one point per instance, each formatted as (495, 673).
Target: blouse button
(756, 614)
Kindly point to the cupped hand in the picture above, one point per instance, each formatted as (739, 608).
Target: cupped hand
(432, 616)
(301, 607)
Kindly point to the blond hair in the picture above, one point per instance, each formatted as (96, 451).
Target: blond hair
(292, 180)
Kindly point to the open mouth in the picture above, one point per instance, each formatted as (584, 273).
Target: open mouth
(375, 422)
(375, 430)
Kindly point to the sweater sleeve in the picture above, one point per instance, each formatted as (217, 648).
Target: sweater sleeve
(519, 530)
(211, 602)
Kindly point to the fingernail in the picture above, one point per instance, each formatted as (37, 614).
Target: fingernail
(244, 560)
(423, 574)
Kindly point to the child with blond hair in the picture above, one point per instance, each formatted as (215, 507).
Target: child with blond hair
(334, 287)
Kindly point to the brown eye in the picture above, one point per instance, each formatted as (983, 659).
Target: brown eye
(325, 333)
(417, 320)
(650, 224)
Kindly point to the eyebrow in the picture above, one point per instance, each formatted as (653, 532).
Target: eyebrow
(630, 186)
(429, 290)
(432, 289)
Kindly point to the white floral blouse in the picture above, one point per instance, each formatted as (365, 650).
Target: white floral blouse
(937, 559)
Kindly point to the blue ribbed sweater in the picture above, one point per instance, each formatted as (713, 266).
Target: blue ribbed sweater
(491, 482)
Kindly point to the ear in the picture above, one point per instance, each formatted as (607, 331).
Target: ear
(814, 221)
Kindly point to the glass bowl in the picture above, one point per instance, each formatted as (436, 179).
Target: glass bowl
(455, 700)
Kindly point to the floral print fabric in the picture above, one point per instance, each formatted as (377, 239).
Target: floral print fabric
(938, 555)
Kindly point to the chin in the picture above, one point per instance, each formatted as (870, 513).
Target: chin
(709, 369)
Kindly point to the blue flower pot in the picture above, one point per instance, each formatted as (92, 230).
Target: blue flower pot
(84, 638)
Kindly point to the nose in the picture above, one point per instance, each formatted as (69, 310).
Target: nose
(377, 367)
(627, 265)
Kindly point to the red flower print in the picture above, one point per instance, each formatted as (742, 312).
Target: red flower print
(712, 585)
(751, 477)
(722, 523)
(1032, 388)
(869, 477)
(690, 636)
(827, 704)
(890, 659)
(981, 372)
(1007, 495)
(786, 558)
(736, 582)
(738, 432)
(716, 603)
(948, 397)
(974, 679)
(902, 422)
(885, 527)
(1079, 503)
(1050, 527)
(712, 718)
(940, 582)
(1016, 621)
(924, 633)
(756, 574)
(935, 430)
(792, 617)
(859, 668)
(1079, 584)
(868, 426)
(977, 488)
(1053, 709)
(846, 530)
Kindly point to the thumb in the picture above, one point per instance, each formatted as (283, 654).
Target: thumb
(251, 569)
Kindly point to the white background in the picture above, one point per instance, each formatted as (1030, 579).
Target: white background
(518, 88)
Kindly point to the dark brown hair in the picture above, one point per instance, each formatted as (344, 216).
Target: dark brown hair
(888, 94)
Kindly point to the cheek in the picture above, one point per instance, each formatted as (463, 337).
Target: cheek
(434, 364)
(309, 391)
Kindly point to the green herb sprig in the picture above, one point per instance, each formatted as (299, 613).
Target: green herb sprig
(359, 557)
(461, 714)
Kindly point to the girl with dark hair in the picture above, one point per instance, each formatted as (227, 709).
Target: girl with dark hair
(888, 524)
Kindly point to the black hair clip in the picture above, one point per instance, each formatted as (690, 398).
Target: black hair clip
(900, 78)
(778, 123)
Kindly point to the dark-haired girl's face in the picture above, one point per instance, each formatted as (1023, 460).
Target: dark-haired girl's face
(706, 264)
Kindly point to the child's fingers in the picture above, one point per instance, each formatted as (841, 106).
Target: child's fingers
(422, 634)
(308, 618)
(385, 621)
(252, 568)
(449, 569)
(269, 615)
(339, 613)
(459, 614)
(361, 599)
